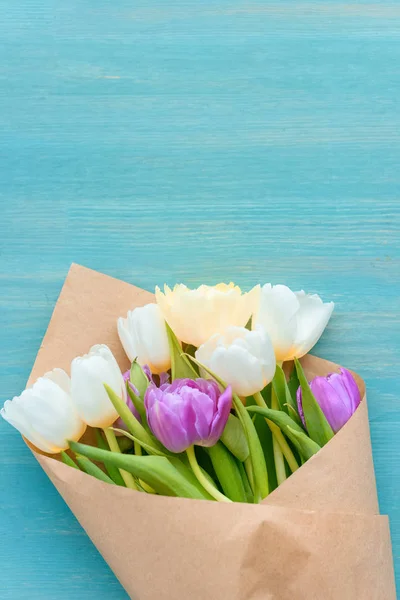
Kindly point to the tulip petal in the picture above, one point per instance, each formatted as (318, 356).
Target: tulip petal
(167, 427)
(196, 315)
(52, 415)
(277, 314)
(45, 414)
(205, 409)
(221, 417)
(143, 336)
(351, 387)
(126, 338)
(312, 318)
(13, 413)
(89, 373)
(338, 396)
(330, 401)
(60, 377)
(244, 359)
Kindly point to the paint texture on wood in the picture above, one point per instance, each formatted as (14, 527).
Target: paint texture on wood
(177, 141)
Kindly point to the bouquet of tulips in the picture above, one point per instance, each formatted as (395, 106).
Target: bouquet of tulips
(215, 408)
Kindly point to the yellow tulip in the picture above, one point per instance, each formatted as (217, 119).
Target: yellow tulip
(196, 314)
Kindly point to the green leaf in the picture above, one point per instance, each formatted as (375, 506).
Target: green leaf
(67, 460)
(266, 394)
(318, 427)
(114, 473)
(280, 418)
(265, 436)
(137, 403)
(92, 469)
(188, 474)
(283, 394)
(293, 384)
(249, 323)
(156, 471)
(139, 378)
(256, 453)
(149, 449)
(133, 425)
(189, 349)
(305, 446)
(235, 439)
(180, 364)
(246, 484)
(227, 471)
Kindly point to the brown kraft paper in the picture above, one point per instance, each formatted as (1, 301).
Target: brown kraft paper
(319, 536)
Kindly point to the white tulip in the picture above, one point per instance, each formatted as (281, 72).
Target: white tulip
(89, 373)
(143, 335)
(244, 359)
(294, 320)
(196, 315)
(45, 413)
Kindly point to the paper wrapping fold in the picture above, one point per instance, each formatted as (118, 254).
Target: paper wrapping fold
(318, 536)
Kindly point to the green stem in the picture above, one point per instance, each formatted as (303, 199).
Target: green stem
(202, 479)
(279, 461)
(138, 449)
(277, 433)
(114, 447)
(146, 487)
(280, 438)
(67, 460)
(249, 471)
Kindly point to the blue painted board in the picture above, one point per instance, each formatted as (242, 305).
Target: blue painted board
(181, 141)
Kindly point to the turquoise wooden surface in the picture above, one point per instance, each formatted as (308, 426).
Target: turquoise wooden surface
(185, 141)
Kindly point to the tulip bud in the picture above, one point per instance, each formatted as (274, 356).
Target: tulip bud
(244, 359)
(293, 320)
(89, 373)
(338, 396)
(187, 412)
(45, 413)
(144, 337)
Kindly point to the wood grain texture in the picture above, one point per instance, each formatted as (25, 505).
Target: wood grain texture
(177, 141)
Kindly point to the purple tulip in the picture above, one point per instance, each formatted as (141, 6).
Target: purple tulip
(163, 377)
(187, 412)
(338, 396)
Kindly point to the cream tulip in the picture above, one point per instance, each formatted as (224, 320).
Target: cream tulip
(45, 414)
(195, 315)
(143, 335)
(242, 358)
(294, 320)
(89, 373)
